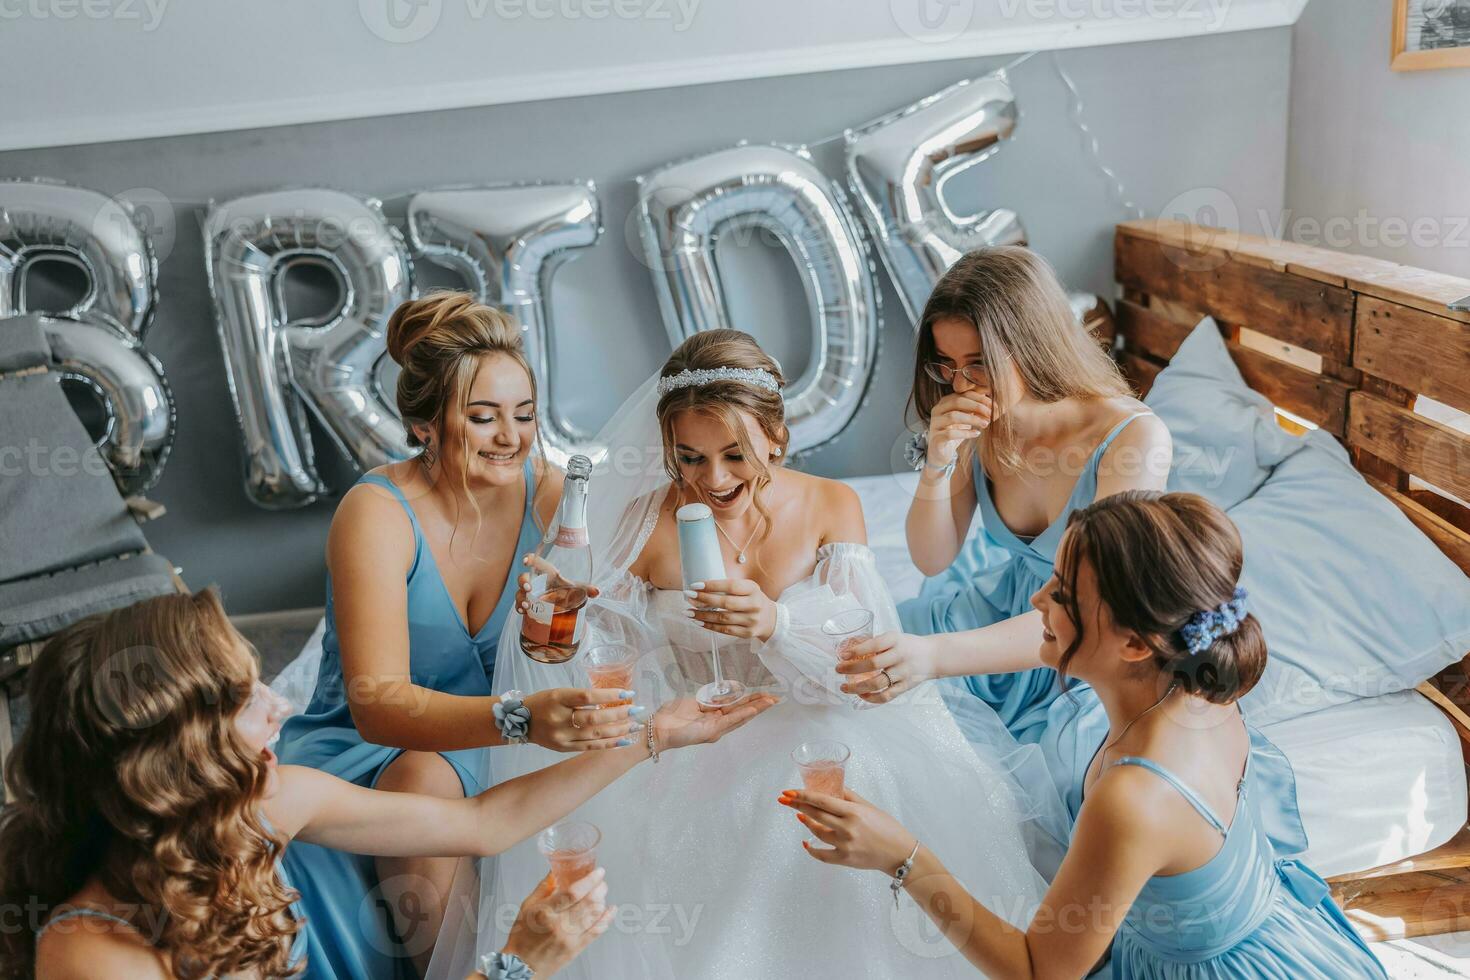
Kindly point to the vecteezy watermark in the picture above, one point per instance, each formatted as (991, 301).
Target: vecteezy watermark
(39, 460)
(1210, 14)
(150, 211)
(146, 14)
(1363, 230)
(932, 21)
(1217, 225)
(406, 21)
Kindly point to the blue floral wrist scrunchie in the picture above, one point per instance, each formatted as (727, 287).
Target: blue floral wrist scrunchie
(513, 718)
(505, 966)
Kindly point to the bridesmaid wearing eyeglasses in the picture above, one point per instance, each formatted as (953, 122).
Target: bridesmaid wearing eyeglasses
(1028, 420)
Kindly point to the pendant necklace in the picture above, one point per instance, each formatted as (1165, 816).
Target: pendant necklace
(739, 551)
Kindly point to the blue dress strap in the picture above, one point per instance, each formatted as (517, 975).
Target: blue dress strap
(1189, 795)
(80, 912)
(380, 480)
(1113, 433)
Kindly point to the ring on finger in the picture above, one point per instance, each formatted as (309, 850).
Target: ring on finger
(887, 677)
(574, 717)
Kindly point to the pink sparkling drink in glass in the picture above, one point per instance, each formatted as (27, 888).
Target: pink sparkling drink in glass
(849, 628)
(571, 849)
(823, 766)
(611, 667)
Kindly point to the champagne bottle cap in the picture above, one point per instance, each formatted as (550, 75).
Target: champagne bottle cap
(579, 466)
(693, 512)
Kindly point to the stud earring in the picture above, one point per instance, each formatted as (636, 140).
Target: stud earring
(777, 453)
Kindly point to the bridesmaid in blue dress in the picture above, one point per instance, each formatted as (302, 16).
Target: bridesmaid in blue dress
(149, 815)
(1173, 864)
(1028, 419)
(421, 558)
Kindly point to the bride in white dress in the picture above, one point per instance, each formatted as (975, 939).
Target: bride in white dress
(707, 869)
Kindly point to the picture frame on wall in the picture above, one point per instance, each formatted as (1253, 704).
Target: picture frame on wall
(1431, 34)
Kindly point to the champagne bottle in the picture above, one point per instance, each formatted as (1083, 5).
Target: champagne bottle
(552, 628)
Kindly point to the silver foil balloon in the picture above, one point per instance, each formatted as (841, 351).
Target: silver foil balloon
(279, 369)
(44, 220)
(98, 342)
(508, 240)
(97, 352)
(898, 165)
(684, 209)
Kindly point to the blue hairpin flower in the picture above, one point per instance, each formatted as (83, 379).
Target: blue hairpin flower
(1208, 625)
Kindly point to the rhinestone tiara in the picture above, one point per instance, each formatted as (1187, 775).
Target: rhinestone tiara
(704, 376)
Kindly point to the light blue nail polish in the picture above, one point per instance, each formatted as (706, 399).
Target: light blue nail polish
(627, 694)
(637, 711)
(691, 594)
(633, 728)
(689, 613)
(625, 741)
(697, 586)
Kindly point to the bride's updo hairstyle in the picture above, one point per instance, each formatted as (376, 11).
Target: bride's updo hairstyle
(1165, 562)
(723, 399)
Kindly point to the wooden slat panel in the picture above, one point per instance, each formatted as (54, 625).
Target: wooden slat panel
(1147, 331)
(1431, 451)
(1452, 511)
(1452, 540)
(1414, 349)
(1315, 397)
(1309, 314)
(1419, 288)
(1453, 853)
(1140, 371)
(1440, 905)
(1431, 292)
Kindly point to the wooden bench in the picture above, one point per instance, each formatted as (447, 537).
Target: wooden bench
(1356, 346)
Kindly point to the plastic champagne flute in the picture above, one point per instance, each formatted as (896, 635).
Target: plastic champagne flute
(700, 561)
(571, 849)
(610, 667)
(823, 767)
(849, 628)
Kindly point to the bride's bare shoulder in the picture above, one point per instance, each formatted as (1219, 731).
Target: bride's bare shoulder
(832, 506)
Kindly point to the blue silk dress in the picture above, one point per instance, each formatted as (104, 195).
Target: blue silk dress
(350, 925)
(992, 580)
(1246, 913)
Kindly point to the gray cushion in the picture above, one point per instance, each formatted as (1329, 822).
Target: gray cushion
(22, 344)
(59, 506)
(35, 608)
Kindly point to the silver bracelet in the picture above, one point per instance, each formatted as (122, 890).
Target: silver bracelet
(902, 874)
(944, 470)
(652, 749)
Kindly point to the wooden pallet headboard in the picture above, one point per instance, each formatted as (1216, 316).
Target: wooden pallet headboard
(1344, 342)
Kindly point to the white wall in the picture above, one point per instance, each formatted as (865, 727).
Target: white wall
(83, 71)
(1379, 161)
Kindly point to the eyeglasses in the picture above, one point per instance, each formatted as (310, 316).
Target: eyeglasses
(944, 373)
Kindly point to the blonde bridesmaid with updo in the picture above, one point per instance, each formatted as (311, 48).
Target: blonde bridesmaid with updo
(421, 559)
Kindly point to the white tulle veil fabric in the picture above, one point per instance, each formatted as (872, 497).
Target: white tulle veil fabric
(666, 829)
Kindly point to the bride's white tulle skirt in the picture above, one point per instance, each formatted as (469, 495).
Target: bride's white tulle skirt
(707, 868)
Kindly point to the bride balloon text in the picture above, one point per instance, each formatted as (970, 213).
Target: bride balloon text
(506, 241)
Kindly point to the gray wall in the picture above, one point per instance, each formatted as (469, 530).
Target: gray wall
(1172, 117)
(1374, 152)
